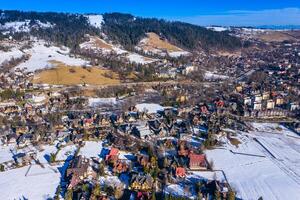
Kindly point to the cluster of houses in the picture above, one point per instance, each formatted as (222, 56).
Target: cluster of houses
(165, 145)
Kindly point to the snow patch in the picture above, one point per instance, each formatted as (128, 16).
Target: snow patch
(41, 55)
(95, 20)
(150, 108)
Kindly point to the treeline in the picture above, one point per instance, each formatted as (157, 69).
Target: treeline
(129, 30)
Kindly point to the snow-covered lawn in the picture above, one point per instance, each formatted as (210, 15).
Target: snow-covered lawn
(93, 102)
(91, 149)
(41, 56)
(265, 164)
(65, 152)
(40, 183)
(43, 155)
(149, 107)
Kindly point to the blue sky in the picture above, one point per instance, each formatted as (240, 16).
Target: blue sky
(208, 12)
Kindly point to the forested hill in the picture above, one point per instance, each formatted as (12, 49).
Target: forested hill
(129, 30)
(125, 29)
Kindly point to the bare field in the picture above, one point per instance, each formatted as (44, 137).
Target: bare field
(276, 36)
(71, 75)
(153, 41)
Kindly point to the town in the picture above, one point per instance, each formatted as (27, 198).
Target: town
(189, 126)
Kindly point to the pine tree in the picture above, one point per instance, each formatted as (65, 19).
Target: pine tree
(217, 195)
(231, 195)
(69, 194)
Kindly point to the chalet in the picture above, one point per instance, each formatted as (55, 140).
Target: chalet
(78, 170)
(197, 161)
(120, 167)
(143, 160)
(180, 172)
(142, 131)
(182, 149)
(141, 182)
(113, 155)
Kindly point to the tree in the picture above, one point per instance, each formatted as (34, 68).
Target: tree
(217, 195)
(153, 196)
(231, 195)
(96, 190)
(85, 187)
(101, 169)
(52, 157)
(69, 194)
(57, 193)
(2, 168)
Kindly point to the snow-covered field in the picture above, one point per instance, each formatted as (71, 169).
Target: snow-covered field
(40, 57)
(6, 153)
(266, 163)
(40, 183)
(134, 57)
(7, 56)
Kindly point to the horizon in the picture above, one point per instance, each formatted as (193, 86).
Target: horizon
(217, 13)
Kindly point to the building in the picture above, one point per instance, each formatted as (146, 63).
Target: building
(78, 170)
(197, 161)
(270, 104)
(257, 106)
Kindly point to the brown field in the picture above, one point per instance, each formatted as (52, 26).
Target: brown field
(276, 36)
(155, 42)
(71, 75)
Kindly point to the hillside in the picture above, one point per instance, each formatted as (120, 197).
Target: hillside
(129, 30)
(69, 30)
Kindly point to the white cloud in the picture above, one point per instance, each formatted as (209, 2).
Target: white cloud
(285, 16)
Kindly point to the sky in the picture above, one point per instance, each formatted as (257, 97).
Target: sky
(201, 12)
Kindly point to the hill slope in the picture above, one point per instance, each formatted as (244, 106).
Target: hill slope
(127, 30)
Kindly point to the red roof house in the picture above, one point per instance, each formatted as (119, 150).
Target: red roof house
(180, 172)
(197, 161)
(113, 155)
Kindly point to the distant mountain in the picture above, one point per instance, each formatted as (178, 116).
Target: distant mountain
(280, 27)
(124, 29)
